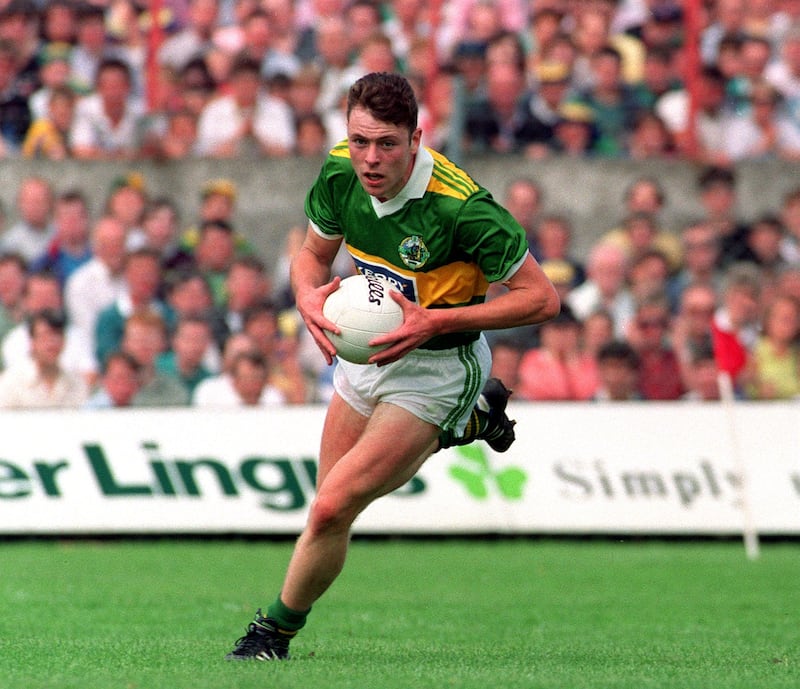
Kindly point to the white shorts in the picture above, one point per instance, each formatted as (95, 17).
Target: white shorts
(437, 386)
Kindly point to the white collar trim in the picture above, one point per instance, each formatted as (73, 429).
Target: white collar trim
(414, 188)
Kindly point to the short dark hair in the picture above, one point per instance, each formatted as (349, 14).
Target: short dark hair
(114, 64)
(388, 97)
(54, 318)
(263, 307)
(221, 225)
(123, 357)
(618, 350)
(253, 357)
(714, 174)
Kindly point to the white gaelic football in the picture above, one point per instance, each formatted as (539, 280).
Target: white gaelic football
(362, 309)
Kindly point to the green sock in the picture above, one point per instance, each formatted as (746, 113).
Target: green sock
(285, 617)
(476, 426)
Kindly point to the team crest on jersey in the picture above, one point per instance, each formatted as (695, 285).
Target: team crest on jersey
(414, 252)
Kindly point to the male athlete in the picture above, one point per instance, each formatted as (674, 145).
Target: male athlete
(408, 214)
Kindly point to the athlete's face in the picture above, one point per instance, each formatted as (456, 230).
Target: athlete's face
(381, 153)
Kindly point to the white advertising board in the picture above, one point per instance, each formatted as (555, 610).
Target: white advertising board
(576, 468)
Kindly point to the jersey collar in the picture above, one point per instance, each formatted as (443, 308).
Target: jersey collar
(414, 188)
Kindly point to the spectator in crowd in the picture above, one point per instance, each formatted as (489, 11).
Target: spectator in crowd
(613, 103)
(592, 36)
(218, 392)
(506, 357)
(125, 24)
(790, 218)
(258, 36)
(260, 322)
(90, 48)
(575, 132)
(735, 326)
(598, 329)
(119, 383)
(691, 327)
(195, 39)
(249, 377)
(42, 292)
(184, 359)
(304, 91)
(217, 202)
(648, 334)
(544, 24)
(59, 22)
(312, 136)
(179, 140)
(558, 370)
(31, 234)
(363, 21)
(70, 246)
(728, 20)
(126, 201)
(784, 72)
(701, 249)
(142, 277)
(332, 47)
(773, 370)
(374, 54)
(604, 287)
(701, 375)
(764, 238)
(54, 72)
(214, 255)
(189, 297)
(650, 139)
(41, 381)
(108, 123)
(554, 243)
(48, 136)
(617, 372)
(639, 233)
(553, 89)
(766, 131)
(501, 122)
(718, 198)
(144, 338)
(15, 115)
(13, 272)
(247, 120)
(98, 283)
(703, 137)
(436, 113)
(648, 274)
(523, 199)
(246, 285)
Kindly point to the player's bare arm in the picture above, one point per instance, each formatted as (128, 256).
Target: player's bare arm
(311, 282)
(530, 298)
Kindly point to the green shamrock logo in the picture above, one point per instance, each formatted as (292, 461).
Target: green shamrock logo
(475, 473)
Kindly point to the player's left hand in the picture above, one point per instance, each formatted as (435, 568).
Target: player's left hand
(419, 325)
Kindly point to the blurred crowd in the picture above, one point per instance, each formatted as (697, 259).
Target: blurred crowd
(177, 79)
(131, 304)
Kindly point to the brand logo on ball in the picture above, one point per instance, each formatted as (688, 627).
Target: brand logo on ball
(414, 252)
(376, 291)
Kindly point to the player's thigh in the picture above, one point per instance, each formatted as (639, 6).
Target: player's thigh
(342, 428)
(391, 448)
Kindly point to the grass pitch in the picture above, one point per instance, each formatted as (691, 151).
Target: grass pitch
(405, 614)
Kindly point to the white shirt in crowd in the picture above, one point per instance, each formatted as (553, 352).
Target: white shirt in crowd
(21, 387)
(218, 392)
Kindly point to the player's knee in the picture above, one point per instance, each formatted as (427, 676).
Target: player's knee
(329, 513)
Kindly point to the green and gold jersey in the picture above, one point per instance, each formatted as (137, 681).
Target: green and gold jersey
(441, 241)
